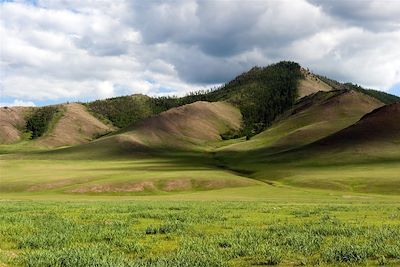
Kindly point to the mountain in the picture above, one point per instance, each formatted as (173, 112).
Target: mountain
(311, 118)
(261, 95)
(280, 124)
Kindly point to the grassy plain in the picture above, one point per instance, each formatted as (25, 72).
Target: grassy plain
(198, 233)
(193, 209)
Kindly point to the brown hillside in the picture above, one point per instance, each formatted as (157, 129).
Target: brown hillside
(329, 116)
(178, 128)
(311, 84)
(199, 121)
(76, 126)
(12, 120)
(311, 119)
(380, 125)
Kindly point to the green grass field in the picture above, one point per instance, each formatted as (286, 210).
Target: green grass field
(193, 233)
(228, 203)
(57, 211)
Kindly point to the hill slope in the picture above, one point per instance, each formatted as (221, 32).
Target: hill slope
(261, 94)
(364, 157)
(12, 123)
(381, 96)
(381, 126)
(197, 123)
(311, 119)
(76, 126)
(153, 156)
(123, 111)
(311, 84)
(189, 127)
(307, 144)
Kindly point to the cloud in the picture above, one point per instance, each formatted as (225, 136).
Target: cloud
(352, 54)
(222, 29)
(85, 50)
(375, 15)
(19, 103)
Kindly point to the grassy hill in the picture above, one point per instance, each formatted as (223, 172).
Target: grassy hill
(174, 152)
(381, 96)
(379, 126)
(190, 127)
(198, 142)
(49, 126)
(364, 157)
(261, 94)
(12, 123)
(312, 118)
(143, 159)
(74, 126)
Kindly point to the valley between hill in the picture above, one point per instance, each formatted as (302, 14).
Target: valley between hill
(279, 166)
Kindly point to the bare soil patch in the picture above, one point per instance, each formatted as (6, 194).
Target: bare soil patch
(311, 84)
(108, 188)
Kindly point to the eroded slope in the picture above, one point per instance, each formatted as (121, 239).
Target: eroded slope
(12, 122)
(76, 126)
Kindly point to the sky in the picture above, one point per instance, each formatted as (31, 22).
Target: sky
(80, 50)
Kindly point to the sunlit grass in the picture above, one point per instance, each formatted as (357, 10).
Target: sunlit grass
(181, 233)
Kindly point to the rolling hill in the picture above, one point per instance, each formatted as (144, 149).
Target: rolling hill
(67, 124)
(12, 123)
(381, 96)
(311, 119)
(363, 157)
(155, 156)
(262, 95)
(75, 126)
(189, 127)
(381, 125)
(279, 125)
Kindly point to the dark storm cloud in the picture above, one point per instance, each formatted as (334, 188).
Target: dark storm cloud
(375, 15)
(221, 30)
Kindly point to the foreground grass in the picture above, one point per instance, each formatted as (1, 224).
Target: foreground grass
(182, 233)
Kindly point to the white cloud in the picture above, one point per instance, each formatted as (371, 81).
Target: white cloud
(18, 103)
(105, 89)
(88, 49)
(352, 54)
